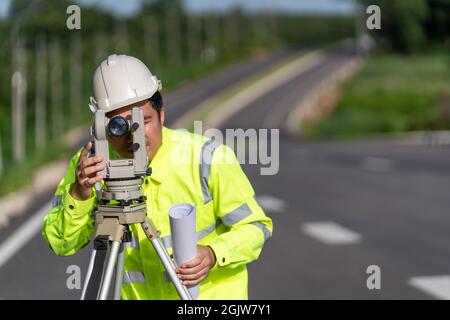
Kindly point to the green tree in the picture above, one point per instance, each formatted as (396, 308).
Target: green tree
(402, 23)
(413, 25)
(438, 24)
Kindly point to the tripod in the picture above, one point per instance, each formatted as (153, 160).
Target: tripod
(113, 232)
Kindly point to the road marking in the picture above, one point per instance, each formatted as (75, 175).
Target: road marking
(245, 92)
(330, 233)
(244, 98)
(23, 234)
(271, 204)
(377, 164)
(242, 95)
(436, 286)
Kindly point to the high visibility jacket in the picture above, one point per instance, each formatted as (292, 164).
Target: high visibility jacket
(187, 168)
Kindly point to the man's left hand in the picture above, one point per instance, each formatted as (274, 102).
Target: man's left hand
(194, 271)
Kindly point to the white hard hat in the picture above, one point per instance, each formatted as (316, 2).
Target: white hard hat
(121, 80)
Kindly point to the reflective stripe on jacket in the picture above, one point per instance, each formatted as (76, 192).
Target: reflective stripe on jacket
(187, 168)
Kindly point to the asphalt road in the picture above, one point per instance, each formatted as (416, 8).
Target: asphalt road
(399, 209)
(389, 201)
(393, 197)
(188, 96)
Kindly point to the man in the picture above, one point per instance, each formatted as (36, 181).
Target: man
(186, 168)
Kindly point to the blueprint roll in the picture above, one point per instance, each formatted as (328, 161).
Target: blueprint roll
(184, 238)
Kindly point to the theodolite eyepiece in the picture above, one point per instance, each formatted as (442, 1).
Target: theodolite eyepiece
(118, 126)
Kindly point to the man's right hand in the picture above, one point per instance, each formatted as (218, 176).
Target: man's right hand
(86, 174)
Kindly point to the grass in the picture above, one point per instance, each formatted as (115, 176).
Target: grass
(392, 94)
(23, 173)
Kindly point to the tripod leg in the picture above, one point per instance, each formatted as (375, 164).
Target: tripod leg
(119, 271)
(88, 274)
(152, 235)
(170, 269)
(106, 283)
(95, 269)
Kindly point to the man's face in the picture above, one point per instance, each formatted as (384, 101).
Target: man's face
(153, 130)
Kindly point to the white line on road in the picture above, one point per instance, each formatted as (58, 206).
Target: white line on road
(330, 233)
(436, 286)
(271, 203)
(244, 98)
(23, 234)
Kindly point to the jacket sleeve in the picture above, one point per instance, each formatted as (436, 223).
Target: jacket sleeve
(69, 225)
(234, 203)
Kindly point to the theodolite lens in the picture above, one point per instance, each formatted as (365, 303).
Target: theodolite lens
(118, 126)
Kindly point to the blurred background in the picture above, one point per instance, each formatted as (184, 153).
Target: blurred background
(359, 91)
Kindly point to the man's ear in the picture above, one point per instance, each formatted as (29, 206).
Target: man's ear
(162, 116)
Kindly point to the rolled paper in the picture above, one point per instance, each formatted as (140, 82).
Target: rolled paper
(184, 238)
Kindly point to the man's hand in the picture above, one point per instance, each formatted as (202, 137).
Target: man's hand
(86, 174)
(194, 271)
